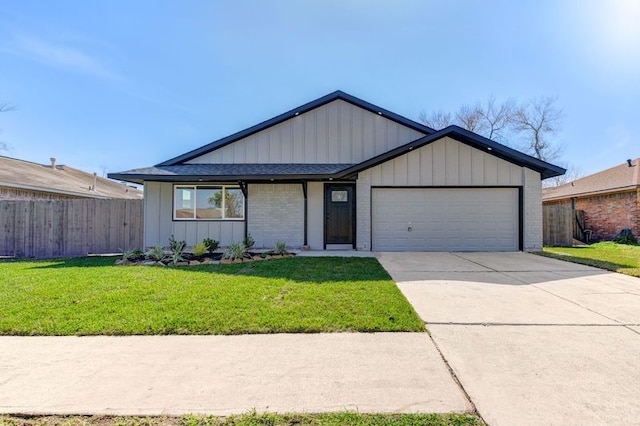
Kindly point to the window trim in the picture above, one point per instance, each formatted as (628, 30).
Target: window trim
(203, 185)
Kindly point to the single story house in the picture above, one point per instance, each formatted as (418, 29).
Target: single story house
(342, 173)
(610, 199)
(24, 180)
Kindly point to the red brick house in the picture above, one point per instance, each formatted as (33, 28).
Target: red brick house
(610, 199)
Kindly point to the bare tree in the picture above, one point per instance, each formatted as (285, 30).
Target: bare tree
(490, 120)
(470, 117)
(530, 125)
(497, 117)
(4, 107)
(437, 120)
(535, 122)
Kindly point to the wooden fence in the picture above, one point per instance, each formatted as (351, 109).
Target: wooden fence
(59, 228)
(561, 225)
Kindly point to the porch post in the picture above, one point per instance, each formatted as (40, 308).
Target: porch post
(245, 192)
(304, 192)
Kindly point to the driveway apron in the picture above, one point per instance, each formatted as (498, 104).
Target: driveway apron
(532, 340)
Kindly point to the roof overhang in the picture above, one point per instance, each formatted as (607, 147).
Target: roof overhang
(140, 179)
(269, 172)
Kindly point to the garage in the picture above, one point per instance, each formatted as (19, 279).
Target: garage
(445, 219)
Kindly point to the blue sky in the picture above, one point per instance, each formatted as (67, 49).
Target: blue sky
(113, 85)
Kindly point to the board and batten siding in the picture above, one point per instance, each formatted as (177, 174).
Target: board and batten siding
(315, 215)
(159, 224)
(337, 132)
(448, 162)
(445, 162)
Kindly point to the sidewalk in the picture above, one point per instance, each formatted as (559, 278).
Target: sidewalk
(174, 375)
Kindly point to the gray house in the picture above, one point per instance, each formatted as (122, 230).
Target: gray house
(341, 173)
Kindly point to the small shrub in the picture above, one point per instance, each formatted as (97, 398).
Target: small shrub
(156, 254)
(133, 255)
(235, 251)
(176, 256)
(176, 250)
(626, 239)
(280, 248)
(248, 241)
(199, 249)
(174, 244)
(212, 245)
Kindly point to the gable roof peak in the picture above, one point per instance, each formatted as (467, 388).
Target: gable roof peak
(333, 96)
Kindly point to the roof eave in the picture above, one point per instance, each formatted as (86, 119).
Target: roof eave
(140, 178)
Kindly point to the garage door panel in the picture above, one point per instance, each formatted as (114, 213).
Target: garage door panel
(439, 219)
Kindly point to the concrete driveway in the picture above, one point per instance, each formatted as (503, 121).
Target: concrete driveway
(532, 340)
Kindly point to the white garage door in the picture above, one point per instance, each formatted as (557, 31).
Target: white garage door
(454, 219)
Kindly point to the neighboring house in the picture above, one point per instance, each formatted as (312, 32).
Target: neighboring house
(24, 180)
(610, 199)
(341, 173)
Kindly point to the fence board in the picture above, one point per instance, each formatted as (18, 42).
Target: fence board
(7, 215)
(557, 225)
(59, 228)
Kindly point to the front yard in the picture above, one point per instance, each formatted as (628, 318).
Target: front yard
(91, 296)
(607, 255)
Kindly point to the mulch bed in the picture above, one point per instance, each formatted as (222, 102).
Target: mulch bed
(208, 259)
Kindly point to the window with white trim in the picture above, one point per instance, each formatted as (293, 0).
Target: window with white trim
(208, 202)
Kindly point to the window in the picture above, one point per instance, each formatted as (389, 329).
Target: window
(195, 202)
(339, 196)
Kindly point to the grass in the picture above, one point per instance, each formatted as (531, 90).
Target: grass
(92, 296)
(254, 419)
(606, 255)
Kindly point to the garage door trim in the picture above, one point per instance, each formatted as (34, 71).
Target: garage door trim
(520, 203)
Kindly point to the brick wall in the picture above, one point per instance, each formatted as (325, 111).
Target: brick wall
(363, 211)
(276, 213)
(532, 232)
(607, 215)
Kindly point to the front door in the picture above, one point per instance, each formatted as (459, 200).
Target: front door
(340, 218)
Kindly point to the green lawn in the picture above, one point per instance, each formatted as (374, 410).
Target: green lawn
(607, 255)
(253, 419)
(90, 296)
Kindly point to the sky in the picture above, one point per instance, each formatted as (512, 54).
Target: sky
(108, 86)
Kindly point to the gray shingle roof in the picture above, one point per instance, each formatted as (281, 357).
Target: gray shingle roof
(261, 171)
(21, 174)
(616, 179)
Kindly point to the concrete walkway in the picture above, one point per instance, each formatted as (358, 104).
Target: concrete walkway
(153, 375)
(532, 340)
(333, 253)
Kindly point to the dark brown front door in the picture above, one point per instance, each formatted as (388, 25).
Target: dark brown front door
(339, 214)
